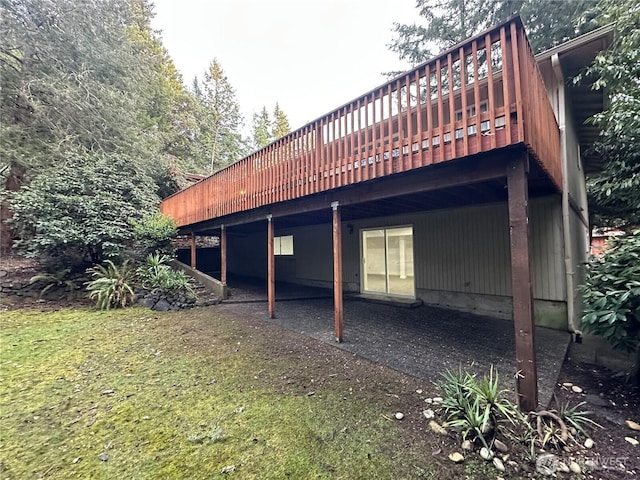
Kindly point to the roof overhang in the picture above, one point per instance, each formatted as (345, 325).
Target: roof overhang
(575, 56)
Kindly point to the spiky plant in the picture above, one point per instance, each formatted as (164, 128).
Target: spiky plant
(110, 287)
(54, 280)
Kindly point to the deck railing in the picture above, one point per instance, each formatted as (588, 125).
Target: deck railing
(481, 95)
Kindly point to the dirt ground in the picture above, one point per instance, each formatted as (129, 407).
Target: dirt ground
(606, 395)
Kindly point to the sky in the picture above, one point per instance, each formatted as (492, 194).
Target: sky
(310, 56)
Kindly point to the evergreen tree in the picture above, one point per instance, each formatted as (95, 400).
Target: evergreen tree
(81, 78)
(280, 123)
(261, 129)
(448, 22)
(218, 138)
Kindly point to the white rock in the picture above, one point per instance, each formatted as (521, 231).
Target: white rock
(498, 464)
(437, 428)
(428, 414)
(428, 400)
(632, 441)
(591, 465)
(500, 446)
(419, 391)
(632, 425)
(547, 464)
(567, 384)
(574, 467)
(588, 443)
(576, 389)
(467, 445)
(563, 467)
(486, 454)
(456, 457)
(437, 399)
(399, 416)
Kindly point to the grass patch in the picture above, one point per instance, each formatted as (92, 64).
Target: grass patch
(138, 394)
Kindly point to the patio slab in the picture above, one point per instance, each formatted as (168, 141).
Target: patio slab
(422, 342)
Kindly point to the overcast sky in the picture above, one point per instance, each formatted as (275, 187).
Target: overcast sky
(311, 56)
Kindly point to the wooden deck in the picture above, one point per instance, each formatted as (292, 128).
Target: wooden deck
(482, 95)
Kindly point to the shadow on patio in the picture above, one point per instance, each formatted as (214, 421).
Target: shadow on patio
(422, 342)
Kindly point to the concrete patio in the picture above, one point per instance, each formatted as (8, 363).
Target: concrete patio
(422, 341)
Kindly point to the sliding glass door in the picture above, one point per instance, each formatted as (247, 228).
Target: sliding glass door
(387, 261)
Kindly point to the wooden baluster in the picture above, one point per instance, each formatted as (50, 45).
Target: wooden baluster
(476, 97)
(452, 108)
(366, 172)
(400, 139)
(506, 82)
(409, 131)
(388, 164)
(463, 103)
(518, 84)
(419, 135)
(374, 136)
(490, 92)
(440, 111)
(429, 130)
(357, 143)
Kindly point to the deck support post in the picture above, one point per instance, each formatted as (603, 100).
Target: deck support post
(337, 271)
(192, 244)
(271, 277)
(526, 369)
(223, 254)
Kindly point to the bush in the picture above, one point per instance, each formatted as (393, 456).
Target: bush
(476, 408)
(78, 212)
(111, 285)
(611, 293)
(154, 233)
(156, 273)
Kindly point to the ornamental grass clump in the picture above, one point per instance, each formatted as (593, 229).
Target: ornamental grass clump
(111, 286)
(476, 408)
(156, 273)
(480, 412)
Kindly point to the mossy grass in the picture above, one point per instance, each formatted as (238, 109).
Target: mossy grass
(181, 395)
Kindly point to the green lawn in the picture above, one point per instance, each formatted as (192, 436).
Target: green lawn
(184, 395)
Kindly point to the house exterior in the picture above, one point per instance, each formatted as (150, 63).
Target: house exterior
(460, 183)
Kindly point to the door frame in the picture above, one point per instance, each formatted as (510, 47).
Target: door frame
(361, 252)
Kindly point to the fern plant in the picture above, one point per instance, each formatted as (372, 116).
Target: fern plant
(55, 280)
(110, 287)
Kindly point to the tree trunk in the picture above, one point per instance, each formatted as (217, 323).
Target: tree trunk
(13, 183)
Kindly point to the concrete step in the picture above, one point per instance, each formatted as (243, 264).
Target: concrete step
(403, 302)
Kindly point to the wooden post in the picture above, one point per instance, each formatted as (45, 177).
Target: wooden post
(193, 250)
(271, 277)
(337, 271)
(526, 370)
(223, 255)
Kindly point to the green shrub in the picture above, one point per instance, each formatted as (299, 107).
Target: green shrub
(156, 273)
(111, 285)
(154, 233)
(611, 293)
(78, 213)
(476, 408)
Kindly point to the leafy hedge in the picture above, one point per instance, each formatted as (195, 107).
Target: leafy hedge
(611, 293)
